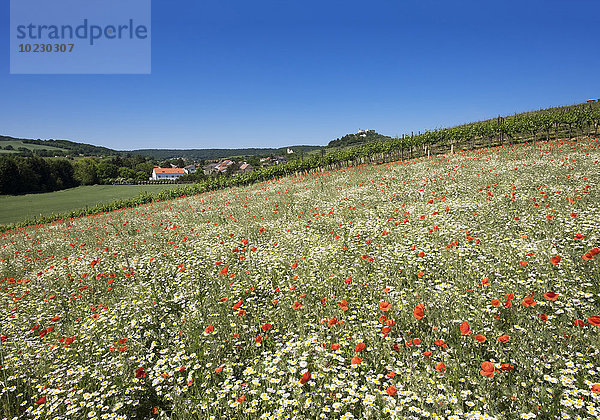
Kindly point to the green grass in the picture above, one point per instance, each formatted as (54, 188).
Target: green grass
(33, 147)
(14, 209)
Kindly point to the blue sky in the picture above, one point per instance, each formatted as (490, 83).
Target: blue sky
(277, 73)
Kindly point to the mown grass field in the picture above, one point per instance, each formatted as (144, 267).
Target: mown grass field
(14, 209)
(460, 286)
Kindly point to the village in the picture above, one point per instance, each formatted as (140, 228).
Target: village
(217, 168)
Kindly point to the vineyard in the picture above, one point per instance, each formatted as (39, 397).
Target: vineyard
(357, 284)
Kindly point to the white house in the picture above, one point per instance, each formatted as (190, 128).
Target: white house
(167, 173)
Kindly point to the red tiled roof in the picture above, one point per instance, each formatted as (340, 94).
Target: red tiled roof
(169, 171)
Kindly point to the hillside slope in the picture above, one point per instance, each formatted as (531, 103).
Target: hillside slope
(468, 283)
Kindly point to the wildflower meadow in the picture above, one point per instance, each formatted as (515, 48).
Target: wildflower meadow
(455, 286)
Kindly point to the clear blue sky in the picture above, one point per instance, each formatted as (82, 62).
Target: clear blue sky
(272, 73)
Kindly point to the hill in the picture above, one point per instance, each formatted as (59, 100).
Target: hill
(51, 147)
(362, 137)
(12, 145)
(466, 283)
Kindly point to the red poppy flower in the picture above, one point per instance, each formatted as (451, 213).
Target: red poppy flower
(551, 296)
(480, 338)
(440, 367)
(485, 281)
(323, 301)
(419, 311)
(555, 260)
(382, 319)
(275, 302)
(543, 317)
(523, 263)
(3, 339)
(305, 378)
(225, 270)
(595, 251)
(417, 341)
(487, 369)
(440, 343)
(294, 265)
(41, 400)
(594, 320)
(588, 256)
(465, 328)
(296, 305)
(507, 367)
(579, 323)
(209, 329)
(496, 303)
(237, 305)
(391, 390)
(427, 353)
(241, 399)
(528, 301)
(356, 360)
(504, 338)
(385, 306)
(579, 236)
(69, 341)
(359, 347)
(391, 375)
(219, 369)
(335, 346)
(266, 327)
(140, 373)
(54, 319)
(596, 389)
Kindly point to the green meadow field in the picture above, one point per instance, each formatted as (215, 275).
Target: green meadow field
(14, 209)
(461, 286)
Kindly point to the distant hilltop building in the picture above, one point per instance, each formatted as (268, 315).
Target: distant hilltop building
(364, 133)
(289, 151)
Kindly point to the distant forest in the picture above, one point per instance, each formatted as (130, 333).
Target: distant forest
(51, 148)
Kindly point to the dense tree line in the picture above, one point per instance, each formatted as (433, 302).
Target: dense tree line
(21, 175)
